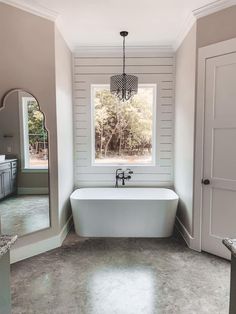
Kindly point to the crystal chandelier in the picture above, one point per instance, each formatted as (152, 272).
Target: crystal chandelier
(124, 86)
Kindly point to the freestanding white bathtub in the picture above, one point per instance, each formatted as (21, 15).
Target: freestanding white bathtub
(124, 212)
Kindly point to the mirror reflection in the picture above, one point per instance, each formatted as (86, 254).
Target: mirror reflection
(24, 175)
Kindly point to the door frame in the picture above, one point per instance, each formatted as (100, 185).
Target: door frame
(207, 52)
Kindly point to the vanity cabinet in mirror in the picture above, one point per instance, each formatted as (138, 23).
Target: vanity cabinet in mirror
(24, 173)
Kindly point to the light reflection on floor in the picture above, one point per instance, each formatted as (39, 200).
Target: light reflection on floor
(118, 289)
(121, 276)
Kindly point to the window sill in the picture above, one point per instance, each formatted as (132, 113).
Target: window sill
(34, 170)
(123, 165)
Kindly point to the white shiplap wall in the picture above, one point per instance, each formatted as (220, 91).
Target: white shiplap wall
(151, 68)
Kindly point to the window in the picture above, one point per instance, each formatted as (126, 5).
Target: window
(124, 132)
(34, 136)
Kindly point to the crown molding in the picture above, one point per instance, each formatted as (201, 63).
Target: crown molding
(33, 8)
(213, 7)
(44, 12)
(208, 9)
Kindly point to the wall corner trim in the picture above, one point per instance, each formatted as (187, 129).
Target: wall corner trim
(191, 242)
(42, 246)
(184, 30)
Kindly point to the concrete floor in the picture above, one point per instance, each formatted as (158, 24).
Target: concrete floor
(121, 276)
(23, 214)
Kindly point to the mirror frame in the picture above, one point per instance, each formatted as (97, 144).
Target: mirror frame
(2, 106)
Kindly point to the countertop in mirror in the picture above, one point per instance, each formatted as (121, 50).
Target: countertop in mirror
(7, 160)
(6, 241)
(231, 245)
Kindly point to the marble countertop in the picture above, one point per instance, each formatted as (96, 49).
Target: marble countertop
(6, 242)
(231, 245)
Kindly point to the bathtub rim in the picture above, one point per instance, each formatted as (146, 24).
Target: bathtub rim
(103, 197)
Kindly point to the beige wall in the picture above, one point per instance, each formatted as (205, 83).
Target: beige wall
(10, 113)
(216, 27)
(64, 126)
(32, 180)
(184, 126)
(27, 61)
(208, 30)
(35, 58)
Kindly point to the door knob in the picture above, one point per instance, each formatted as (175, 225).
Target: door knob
(206, 181)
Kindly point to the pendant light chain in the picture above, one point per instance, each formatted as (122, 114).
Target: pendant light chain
(124, 55)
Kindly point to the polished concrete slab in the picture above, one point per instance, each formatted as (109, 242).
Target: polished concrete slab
(23, 214)
(121, 276)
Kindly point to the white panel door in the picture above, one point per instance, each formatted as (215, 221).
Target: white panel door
(219, 194)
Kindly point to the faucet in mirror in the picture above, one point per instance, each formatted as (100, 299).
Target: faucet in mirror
(24, 173)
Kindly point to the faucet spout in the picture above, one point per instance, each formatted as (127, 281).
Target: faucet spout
(118, 173)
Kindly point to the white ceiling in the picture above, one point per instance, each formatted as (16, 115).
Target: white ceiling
(98, 22)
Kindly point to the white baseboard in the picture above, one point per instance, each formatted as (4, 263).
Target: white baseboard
(32, 191)
(42, 246)
(191, 242)
(65, 230)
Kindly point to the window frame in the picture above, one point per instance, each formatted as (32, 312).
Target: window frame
(153, 163)
(24, 135)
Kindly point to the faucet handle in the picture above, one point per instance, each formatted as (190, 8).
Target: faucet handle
(129, 171)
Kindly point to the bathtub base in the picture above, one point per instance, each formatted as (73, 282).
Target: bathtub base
(123, 218)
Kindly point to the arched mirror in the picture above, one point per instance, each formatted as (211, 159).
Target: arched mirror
(24, 171)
